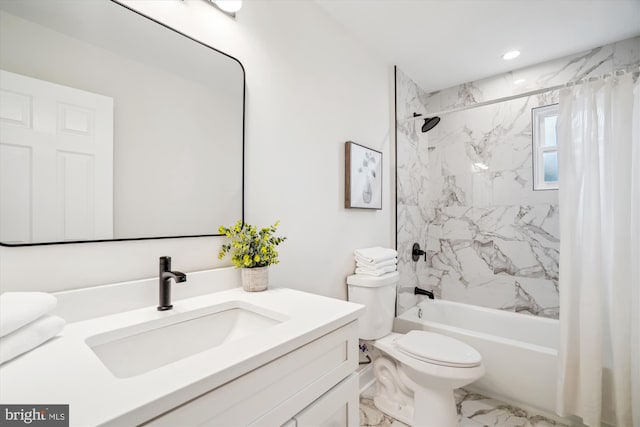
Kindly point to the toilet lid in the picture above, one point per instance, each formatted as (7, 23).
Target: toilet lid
(438, 349)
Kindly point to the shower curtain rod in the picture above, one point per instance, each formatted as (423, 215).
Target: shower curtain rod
(535, 92)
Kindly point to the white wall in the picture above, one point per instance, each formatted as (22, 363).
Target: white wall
(310, 88)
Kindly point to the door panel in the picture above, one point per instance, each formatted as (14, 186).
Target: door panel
(65, 190)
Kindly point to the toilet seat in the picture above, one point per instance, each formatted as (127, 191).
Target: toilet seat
(438, 349)
(436, 375)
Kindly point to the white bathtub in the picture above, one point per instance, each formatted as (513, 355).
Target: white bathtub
(519, 351)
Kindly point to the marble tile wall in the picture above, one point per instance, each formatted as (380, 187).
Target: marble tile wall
(624, 54)
(465, 189)
(411, 161)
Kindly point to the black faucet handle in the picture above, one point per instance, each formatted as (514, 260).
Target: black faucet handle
(416, 252)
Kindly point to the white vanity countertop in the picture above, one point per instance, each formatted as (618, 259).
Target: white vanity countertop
(66, 371)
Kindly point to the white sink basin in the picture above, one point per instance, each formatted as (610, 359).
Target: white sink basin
(143, 347)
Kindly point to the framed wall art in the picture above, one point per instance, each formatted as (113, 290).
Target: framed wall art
(363, 177)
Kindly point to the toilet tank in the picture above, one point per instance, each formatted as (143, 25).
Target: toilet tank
(378, 294)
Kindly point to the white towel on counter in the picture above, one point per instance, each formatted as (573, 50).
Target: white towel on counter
(20, 308)
(363, 264)
(375, 254)
(376, 272)
(29, 337)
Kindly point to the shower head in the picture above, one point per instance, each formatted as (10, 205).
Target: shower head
(430, 123)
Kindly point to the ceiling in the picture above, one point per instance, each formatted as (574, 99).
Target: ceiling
(441, 43)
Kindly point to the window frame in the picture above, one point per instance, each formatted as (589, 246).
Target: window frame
(538, 114)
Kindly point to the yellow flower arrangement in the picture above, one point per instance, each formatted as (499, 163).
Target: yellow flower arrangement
(250, 247)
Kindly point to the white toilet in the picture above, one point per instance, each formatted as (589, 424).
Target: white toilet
(419, 370)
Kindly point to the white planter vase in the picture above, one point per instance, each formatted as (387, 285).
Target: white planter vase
(255, 279)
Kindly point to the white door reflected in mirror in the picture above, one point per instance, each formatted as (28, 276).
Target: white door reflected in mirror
(56, 162)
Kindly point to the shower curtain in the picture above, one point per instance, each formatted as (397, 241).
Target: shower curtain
(599, 196)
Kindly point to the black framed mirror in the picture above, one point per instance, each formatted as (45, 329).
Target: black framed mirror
(114, 126)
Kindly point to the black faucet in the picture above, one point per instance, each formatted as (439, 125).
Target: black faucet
(165, 282)
(418, 291)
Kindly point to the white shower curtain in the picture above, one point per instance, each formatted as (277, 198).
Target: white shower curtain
(599, 154)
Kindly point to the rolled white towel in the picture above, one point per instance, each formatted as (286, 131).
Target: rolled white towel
(375, 254)
(376, 272)
(29, 337)
(19, 308)
(360, 263)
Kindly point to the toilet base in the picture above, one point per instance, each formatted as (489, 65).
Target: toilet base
(397, 395)
(392, 396)
(398, 411)
(436, 409)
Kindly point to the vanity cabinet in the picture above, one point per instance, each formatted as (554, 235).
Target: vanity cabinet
(313, 385)
(338, 407)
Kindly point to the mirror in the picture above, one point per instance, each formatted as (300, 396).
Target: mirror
(113, 127)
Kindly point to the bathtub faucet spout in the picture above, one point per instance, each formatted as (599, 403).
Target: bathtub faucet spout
(418, 291)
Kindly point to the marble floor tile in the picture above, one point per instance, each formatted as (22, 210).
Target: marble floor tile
(370, 416)
(492, 412)
(466, 422)
(474, 410)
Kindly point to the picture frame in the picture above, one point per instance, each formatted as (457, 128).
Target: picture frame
(363, 177)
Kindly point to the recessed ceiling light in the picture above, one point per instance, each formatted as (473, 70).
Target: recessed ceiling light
(519, 81)
(511, 55)
(231, 6)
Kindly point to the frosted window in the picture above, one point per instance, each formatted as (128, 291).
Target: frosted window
(550, 131)
(545, 147)
(550, 160)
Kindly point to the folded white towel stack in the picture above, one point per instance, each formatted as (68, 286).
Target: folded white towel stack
(375, 255)
(19, 308)
(25, 322)
(376, 272)
(29, 337)
(375, 261)
(368, 266)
